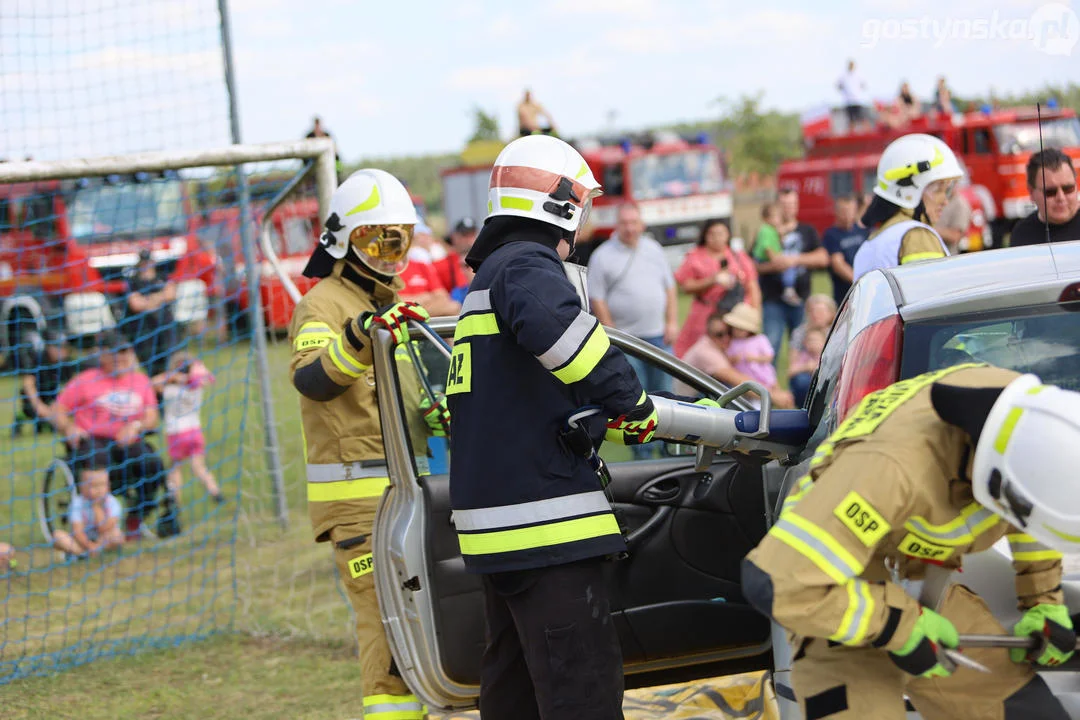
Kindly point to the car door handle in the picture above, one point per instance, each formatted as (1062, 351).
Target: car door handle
(662, 491)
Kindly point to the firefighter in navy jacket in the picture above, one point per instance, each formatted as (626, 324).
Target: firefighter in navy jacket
(531, 516)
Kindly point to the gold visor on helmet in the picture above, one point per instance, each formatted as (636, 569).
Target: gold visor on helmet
(383, 248)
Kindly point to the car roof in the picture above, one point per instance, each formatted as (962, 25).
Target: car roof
(985, 280)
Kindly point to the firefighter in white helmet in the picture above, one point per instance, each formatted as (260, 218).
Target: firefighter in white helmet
(861, 564)
(361, 252)
(530, 512)
(916, 176)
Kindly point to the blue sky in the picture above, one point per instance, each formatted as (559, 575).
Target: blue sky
(401, 78)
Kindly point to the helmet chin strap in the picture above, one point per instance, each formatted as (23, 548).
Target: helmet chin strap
(919, 213)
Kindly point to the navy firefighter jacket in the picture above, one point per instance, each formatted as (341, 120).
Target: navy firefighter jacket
(525, 357)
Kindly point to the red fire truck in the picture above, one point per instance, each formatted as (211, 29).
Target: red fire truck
(66, 247)
(994, 146)
(677, 183)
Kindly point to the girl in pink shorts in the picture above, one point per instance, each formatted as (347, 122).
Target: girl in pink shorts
(181, 387)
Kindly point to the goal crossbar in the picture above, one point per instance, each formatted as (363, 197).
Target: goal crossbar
(321, 149)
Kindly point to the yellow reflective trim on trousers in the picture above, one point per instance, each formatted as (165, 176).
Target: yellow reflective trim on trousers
(557, 533)
(1001, 442)
(478, 324)
(345, 362)
(394, 707)
(912, 257)
(347, 489)
(590, 355)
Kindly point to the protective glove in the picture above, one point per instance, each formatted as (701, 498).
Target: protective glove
(437, 416)
(636, 427)
(394, 318)
(1052, 624)
(919, 655)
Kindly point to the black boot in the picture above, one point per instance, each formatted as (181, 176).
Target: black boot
(169, 520)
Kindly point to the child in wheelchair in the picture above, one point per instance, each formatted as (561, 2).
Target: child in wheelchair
(181, 388)
(94, 514)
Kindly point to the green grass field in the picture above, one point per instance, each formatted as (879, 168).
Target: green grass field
(283, 648)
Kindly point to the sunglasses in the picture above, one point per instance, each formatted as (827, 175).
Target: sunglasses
(721, 334)
(1064, 189)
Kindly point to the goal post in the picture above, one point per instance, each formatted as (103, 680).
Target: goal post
(74, 237)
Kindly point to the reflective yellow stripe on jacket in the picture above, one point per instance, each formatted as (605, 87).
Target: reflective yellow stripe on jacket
(332, 482)
(817, 546)
(1027, 549)
(578, 350)
(536, 524)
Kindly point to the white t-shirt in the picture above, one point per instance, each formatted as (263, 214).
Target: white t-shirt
(181, 405)
(81, 511)
(853, 88)
(634, 284)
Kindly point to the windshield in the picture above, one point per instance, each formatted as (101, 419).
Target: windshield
(675, 174)
(101, 213)
(1023, 137)
(1041, 340)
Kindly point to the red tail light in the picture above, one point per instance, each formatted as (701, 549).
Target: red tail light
(871, 363)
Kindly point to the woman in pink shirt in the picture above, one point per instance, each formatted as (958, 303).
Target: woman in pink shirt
(115, 404)
(709, 272)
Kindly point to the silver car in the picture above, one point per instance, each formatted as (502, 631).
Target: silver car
(677, 603)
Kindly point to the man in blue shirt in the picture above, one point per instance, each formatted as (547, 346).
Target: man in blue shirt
(842, 241)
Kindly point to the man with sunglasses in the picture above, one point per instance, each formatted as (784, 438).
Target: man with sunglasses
(1051, 180)
(359, 259)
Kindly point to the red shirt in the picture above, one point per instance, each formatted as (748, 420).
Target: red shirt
(102, 404)
(419, 277)
(449, 271)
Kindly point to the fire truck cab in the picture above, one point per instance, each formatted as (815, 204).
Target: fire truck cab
(67, 247)
(677, 183)
(994, 146)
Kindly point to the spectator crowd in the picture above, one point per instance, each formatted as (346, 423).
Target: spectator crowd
(107, 405)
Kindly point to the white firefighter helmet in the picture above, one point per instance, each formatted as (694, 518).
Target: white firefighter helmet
(1026, 459)
(909, 164)
(372, 213)
(543, 178)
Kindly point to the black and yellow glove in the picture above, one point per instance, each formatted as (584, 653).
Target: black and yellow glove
(919, 655)
(394, 318)
(437, 415)
(636, 427)
(1050, 623)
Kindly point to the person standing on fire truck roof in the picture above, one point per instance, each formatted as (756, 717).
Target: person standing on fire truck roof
(916, 176)
(358, 258)
(858, 567)
(530, 514)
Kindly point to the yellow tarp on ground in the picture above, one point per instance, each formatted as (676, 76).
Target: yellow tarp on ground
(743, 697)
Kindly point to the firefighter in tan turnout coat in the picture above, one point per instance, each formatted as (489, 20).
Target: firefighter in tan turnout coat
(858, 567)
(359, 256)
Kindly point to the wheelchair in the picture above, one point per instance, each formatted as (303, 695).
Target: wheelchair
(60, 485)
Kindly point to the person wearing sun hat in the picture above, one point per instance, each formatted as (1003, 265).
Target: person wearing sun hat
(751, 353)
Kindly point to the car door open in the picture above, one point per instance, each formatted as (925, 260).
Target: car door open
(676, 600)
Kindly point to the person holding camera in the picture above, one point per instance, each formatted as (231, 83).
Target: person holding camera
(718, 277)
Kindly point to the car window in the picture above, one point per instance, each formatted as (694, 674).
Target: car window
(1043, 340)
(823, 387)
(422, 369)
